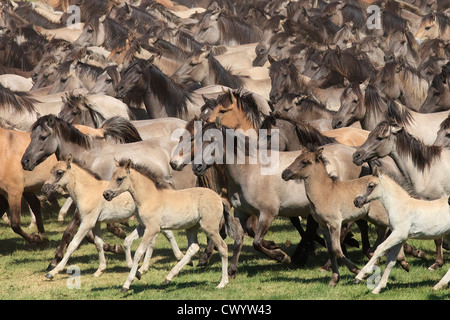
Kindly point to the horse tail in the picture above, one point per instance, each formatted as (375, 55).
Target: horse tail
(230, 229)
(120, 130)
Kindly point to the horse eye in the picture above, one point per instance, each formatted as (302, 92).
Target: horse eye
(118, 52)
(447, 135)
(90, 30)
(355, 101)
(380, 138)
(371, 186)
(108, 80)
(305, 162)
(436, 93)
(63, 80)
(427, 28)
(59, 172)
(42, 138)
(119, 179)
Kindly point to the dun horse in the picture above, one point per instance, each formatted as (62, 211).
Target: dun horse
(162, 208)
(332, 205)
(85, 188)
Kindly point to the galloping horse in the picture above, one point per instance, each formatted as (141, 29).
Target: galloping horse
(424, 166)
(409, 218)
(332, 204)
(162, 208)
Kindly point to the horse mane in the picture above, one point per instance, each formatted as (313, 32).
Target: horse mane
(445, 124)
(19, 101)
(224, 76)
(232, 27)
(398, 113)
(81, 164)
(80, 101)
(348, 65)
(409, 146)
(373, 100)
(440, 81)
(160, 183)
(26, 11)
(120, 130)
(64, 130)
(412, 43)
(246, 103)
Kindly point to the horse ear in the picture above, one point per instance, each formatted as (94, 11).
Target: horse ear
(218, 123)
(396, 129)
(338, 51)
(151, 59)
(69, 161)
(271, 59)
(318, 153)
(51, 120)
(376, 172)
(116, 162)
(128, 165)
(102, 18)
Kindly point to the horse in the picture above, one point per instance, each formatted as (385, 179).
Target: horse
(434, 25)
(247, 176)
(92, 110)
(102, 32)
(398, 80)
(162, 96)
(332, 205)
(409, 218)
(443, 134)
(51, 135)
(438, 94)
(286, 78)
(364, 103)
(338, 64)
(424, 166)
(85, 187)
(402, 44)
(221, 27)
(239, 110)
(162, 208)
(202, 67)
(17, 182)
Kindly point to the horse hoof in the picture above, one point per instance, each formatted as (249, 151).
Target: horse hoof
(356, 281)
(124, 290)
(50, 267)
(138, 275)
(166, 282)
(49, 276)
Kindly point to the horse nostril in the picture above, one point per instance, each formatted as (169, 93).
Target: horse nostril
(287, 175)
(356, 155)
(337, 125)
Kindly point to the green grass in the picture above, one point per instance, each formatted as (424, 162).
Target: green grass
(23, 273)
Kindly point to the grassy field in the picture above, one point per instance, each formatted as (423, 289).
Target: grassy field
(23, 269)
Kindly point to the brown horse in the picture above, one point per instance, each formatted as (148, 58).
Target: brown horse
(15, 181)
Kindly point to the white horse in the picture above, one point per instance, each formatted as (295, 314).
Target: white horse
(409, 218)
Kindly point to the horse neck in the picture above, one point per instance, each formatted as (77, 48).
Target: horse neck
(391, 193)
(373, 117)
(81, 184)
(143, 189)
(67, 147)
(318, 182)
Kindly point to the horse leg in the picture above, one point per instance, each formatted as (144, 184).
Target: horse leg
(148, 239)
(391, 258)
(332, 258)
(66, 239)
(85, 227)
(440, 257)
(101, 253)
(64, 209)
(393, 239)
(35, 206)
(136, 234)
(223, 251)
(306, 244)
(116, 230)
(251, 226)
(265, 221)
(237, 247)
(191, 251)
(443, 282)
(14, 201)
(364, 229)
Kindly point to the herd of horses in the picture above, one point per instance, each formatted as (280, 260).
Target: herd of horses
(92, 91)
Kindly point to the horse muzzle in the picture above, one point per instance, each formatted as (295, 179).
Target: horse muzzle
(108, 195)
(27, 164)
(359, 202)
(177, 165)
(47, 189)
(287, 175)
